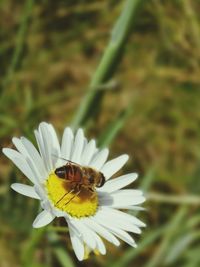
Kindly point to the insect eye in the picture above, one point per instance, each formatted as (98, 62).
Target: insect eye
(91, 179)
(102, 180)
(60, 172)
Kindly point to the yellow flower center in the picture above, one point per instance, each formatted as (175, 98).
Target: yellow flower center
(77, 203)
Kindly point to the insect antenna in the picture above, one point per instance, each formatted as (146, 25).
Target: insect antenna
(58, 157)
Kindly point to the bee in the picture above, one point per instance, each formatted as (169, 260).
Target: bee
(79, 177)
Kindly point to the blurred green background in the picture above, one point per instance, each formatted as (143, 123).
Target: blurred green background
(146, 105)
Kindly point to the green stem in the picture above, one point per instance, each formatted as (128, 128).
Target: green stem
(174, 199)
(108, 63)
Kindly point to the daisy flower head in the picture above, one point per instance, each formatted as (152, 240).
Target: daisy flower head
(74, 180)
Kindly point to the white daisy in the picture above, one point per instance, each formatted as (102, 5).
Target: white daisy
(89, 215)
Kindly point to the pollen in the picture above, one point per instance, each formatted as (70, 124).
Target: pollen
(64, 197)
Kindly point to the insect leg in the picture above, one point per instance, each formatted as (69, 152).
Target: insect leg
(72, 198)
(91, 189)
(65, 195)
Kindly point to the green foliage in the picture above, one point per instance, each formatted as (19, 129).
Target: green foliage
(142, 99)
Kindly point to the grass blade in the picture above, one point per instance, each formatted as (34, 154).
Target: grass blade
(108, 63)
(131, 253)
(61, 254)
(157, 258)
(63, 257)
(114, 128)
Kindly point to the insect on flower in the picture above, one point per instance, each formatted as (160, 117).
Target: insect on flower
(80, 189)
(79, 177)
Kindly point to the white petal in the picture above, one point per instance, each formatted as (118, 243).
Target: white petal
(109, 224)
(47, 205)
(40, 191)
(20, 161)
(76, 231)
(120, 200)
(77, 244)
(48, 145)
(91, 223)
(122, 193)
(117, 221)
(35, 171)
(78, 146)
(35, 155)
(55, 148)
(99, 159)
(45, 136)
(41, 148)
(67, 141)
(118, 183)
(86, 233)
(100, 245)
(58, 213)
(43, 219)
(124, 236)
(114, 165)
(124, 216)
(36, 163)
(88, 153)
(20, 147)
(127, 193)
(25, 190)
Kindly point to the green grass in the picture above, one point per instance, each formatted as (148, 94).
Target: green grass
(134, 89)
